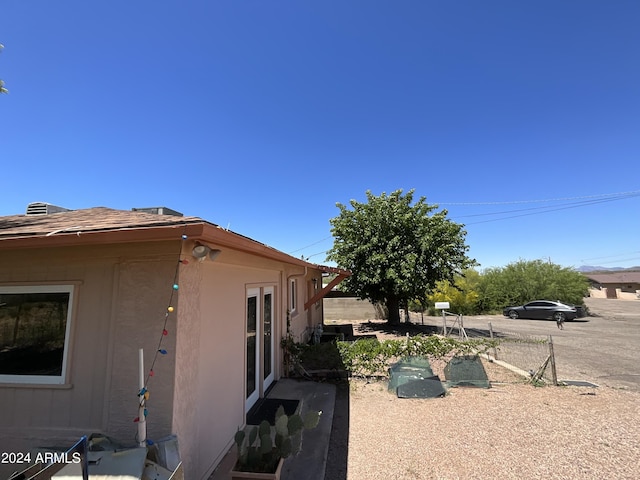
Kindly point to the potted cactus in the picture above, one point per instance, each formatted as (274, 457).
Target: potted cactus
(262, 450)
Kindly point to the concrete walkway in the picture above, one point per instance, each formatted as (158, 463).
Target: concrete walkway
(310, 463)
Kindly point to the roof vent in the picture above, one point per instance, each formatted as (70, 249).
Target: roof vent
(40, 208)
(158, 211)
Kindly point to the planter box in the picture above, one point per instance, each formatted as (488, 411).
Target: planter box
(238, 475)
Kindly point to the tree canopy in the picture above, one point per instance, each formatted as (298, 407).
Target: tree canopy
(526, 280)
(396, 249)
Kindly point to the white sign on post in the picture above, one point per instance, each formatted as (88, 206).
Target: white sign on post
(442, 305)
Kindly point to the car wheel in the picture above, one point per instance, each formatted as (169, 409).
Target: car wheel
(513, 314)
(559, 317)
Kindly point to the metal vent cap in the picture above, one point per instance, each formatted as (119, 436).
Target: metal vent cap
(41, 208)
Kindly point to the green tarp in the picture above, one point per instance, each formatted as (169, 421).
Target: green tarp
(412, 377)
(466, 371)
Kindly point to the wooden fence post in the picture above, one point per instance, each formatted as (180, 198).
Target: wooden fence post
(554, 375)
(495, 350)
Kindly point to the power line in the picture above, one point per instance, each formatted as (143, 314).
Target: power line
(586, 201)
(610, 256)
(548, 210)
(514, 202)
(619, 261)
(544, 209)
(316, 254)
(312, 244)
(541, 208)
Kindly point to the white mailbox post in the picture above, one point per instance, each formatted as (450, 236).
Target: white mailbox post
(443, 306)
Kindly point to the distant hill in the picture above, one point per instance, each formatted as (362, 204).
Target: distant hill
(592, 268)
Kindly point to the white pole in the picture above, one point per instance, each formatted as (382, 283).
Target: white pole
(142, 422)
(444, 323)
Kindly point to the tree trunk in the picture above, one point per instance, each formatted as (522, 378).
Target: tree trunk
(393, 306)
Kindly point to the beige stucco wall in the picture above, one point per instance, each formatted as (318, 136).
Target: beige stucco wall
(621, 294)
(597, 293)
(211, 351)
(628, 295)
(197, 391)
(349, 308)
(121, 297)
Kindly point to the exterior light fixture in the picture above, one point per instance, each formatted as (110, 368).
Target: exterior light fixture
(201, 252)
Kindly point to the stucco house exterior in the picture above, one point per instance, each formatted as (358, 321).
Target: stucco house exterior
(81, 291)
(622, 285)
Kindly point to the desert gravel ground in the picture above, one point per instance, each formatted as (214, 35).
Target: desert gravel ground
(507, 431)
(512, 430)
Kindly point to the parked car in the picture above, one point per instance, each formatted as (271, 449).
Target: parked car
(542, 309)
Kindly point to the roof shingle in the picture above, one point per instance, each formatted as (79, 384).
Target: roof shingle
(86, 220)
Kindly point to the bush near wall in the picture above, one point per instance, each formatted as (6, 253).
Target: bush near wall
(371, 357)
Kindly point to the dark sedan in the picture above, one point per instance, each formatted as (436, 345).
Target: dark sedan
(542, 309)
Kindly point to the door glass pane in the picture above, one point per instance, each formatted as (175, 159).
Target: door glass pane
(267, 334)
(252, 316)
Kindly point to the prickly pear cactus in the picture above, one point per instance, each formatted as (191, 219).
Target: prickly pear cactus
(262, 447)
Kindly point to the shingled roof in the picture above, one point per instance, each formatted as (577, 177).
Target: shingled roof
(98, 219)
(614, 277)
(101, 225)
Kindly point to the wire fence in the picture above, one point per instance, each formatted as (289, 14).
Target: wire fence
(529, 355)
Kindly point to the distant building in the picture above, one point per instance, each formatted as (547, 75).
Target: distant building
(623, 285)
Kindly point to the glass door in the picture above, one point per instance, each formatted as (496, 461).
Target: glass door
(267, 337)
(252, 389)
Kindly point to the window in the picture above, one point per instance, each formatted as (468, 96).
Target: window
(34, 333)
(292, 296)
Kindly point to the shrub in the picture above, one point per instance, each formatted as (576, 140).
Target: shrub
(369, 357)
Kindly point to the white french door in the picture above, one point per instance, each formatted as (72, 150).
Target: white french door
(260, 345)
(253, 348)
(268, 336)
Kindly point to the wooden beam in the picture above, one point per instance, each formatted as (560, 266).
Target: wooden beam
(322, 293)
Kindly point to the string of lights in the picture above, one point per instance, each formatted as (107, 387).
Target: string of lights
(143, 393)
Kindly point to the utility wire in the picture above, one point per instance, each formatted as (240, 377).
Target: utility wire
(545, 211)
(619, 261)
(586, 201)
(546, 207)
(609, 256)
(602, 195)
(311, 244)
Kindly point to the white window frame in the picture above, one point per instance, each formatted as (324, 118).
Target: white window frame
(252, 398)
(45, 379)
(293, 295)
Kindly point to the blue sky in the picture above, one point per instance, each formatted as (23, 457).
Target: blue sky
(261, 115)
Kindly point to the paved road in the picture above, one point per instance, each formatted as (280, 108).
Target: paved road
(603, 348)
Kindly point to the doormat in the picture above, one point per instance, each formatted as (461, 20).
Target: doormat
(578, 383)
(265, 409)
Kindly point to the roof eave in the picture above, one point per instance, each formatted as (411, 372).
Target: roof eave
(225, 238)
(202, 231)
(103, 237)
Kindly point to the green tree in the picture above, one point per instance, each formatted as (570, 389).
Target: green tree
(526, 280)
(396, 249)
(461, 294)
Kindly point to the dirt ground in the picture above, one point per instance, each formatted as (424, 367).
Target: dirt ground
(601, 348)
(513, 429)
